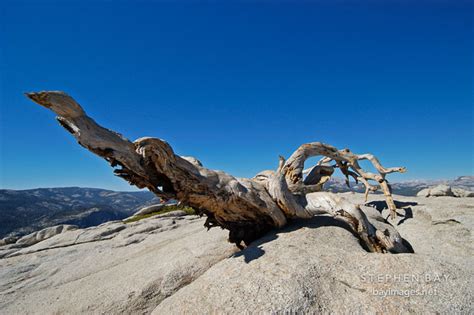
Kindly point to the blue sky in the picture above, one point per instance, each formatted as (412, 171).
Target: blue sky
(236, 85)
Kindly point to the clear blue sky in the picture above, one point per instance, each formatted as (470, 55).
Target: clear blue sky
(235, 85)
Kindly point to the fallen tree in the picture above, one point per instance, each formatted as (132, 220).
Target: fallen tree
(247, 207)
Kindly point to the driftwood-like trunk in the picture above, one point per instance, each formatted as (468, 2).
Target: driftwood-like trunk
(246, 207)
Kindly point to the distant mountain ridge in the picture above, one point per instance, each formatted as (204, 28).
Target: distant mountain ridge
(405, 188)
(26, 211)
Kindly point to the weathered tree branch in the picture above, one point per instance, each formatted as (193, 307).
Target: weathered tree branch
(246, 207)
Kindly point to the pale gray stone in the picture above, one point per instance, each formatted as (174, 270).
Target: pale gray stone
(462, 193)
(44, 234)
(173, 265)
(441, 190)
(424, 193)
(151, 209)
(445, 191)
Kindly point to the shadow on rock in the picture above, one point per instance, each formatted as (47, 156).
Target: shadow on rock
(255, 251)
(408, 215)
(381, 205)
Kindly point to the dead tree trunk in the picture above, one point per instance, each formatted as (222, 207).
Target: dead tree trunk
(246, 207)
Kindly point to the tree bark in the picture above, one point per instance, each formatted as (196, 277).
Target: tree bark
(248, 208)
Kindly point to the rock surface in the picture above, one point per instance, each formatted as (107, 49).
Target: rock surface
(149, 209)
(462, 193)
(44, 234)
(441, 190)
(113, 268)
(445, 191)
(424, 193)
(152, 208)
(172, 265)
